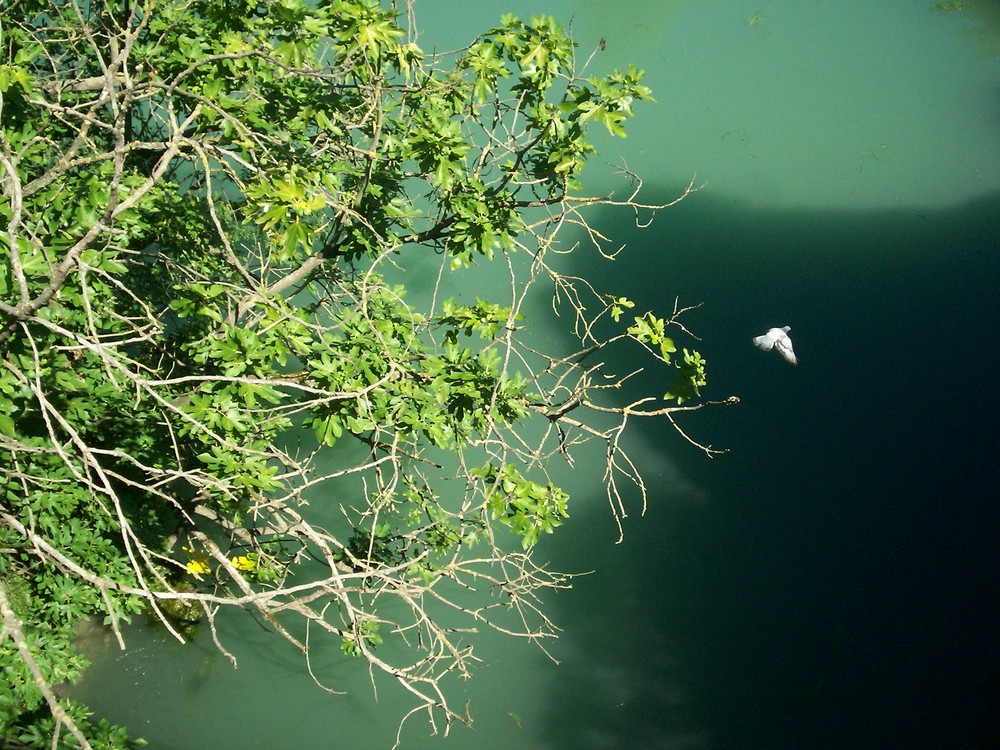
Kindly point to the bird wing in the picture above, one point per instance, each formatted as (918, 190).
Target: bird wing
(784, 345)
(764, 342)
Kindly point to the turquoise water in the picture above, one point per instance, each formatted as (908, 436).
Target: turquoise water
(831, 581)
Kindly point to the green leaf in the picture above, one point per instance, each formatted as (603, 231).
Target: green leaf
(328, 429)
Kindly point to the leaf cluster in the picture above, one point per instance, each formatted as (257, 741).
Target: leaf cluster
(209, 210)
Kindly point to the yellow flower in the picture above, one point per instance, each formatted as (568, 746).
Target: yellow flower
(198, 568)
(197, 564)
(245, 562)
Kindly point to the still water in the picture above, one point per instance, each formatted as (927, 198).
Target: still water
(833, 580)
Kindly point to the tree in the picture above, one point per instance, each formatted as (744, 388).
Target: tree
(206, 207)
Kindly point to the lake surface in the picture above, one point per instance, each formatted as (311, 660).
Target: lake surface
(834, 579)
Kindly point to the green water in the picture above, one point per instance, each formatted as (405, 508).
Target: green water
(831, 582)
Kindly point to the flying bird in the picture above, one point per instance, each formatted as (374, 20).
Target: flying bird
(777, 338)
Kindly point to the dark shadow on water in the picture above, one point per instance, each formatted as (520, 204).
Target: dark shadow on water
(839, 583)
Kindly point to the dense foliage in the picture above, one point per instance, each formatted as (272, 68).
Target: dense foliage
(208, 212)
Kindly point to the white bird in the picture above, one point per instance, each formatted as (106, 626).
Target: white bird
(777, 338)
